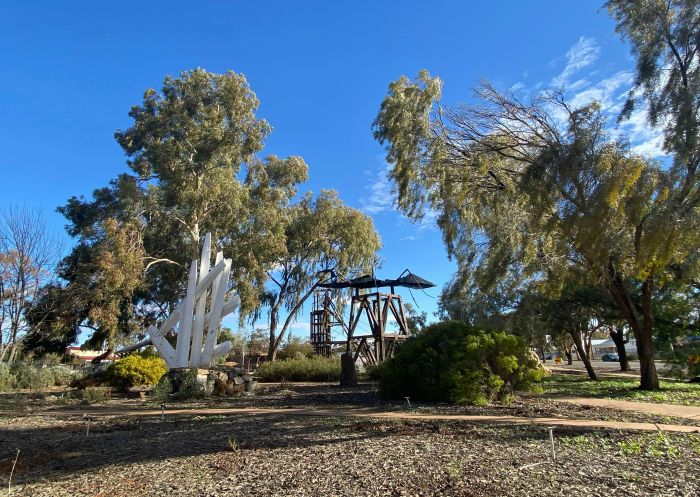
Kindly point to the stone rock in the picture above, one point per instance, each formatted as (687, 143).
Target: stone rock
(238, 380)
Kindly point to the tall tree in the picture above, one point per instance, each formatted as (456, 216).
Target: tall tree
(187, 147)
(322, 235)
(548, 200)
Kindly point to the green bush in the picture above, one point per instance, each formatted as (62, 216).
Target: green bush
(453, 362)
(32, 378)
(188, 387)
(61, 376)
(296, 348)
(316, 368)
(135, 370)
(96, 394)
(7, 379)
(89, 377)
(685, 362)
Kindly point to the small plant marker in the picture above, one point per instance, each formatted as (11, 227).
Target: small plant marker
(87, 426)
(551, 439)
(9, 482)
(162, 411)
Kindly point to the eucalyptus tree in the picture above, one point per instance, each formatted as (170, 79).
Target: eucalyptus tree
(190, 149)
(322, 235)
(192, 153)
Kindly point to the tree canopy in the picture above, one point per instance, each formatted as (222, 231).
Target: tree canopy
(193, 158)
(540, 190)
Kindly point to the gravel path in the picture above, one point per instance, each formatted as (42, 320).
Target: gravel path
(211, 455)
(375, 414)
(293, 455)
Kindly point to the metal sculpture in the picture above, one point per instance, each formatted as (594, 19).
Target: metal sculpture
(194, 348)
(377, 307)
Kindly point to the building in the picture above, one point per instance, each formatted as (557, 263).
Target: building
(85, 356)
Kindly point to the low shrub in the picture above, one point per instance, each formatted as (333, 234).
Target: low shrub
(61, 376)
(296, 348)
(89, 377)
(316, 368)
(97, 394)
(7, 379)
(454, 362)
(32, 378)
(182, 386)
(135, 370)
(684, 364)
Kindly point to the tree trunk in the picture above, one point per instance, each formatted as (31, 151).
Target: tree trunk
(13, 353)
(569, 355)
(618, 336)
(348, 376)
(576, 336)
(274, 317)
(642, 325)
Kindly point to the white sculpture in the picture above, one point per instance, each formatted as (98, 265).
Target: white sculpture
(194, 348)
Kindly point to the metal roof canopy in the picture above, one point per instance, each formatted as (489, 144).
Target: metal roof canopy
(406, 279)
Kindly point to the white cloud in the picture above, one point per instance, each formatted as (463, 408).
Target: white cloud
(609, 92)
(582, 54)
(380, 198)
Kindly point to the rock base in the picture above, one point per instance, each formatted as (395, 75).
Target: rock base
(219, 380)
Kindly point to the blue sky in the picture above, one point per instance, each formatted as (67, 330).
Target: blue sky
(70, 72)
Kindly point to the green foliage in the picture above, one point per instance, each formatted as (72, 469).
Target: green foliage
(161, 391)
(685, 362)
(453, 362)
(316, 368)
(61, 376)
(95, 395)
(89, 377)
(681, 393)
(32, 378)
(322, 234)
(7, 379)
(655, 446)
(135, 370)
(296, 348)
(188, 387)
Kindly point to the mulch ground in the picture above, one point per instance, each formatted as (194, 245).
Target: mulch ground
(294, 455)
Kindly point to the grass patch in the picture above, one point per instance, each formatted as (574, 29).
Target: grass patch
(672, 392)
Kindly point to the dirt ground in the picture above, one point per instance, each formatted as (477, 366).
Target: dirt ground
(294, 455)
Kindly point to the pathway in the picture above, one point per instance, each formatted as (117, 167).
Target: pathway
(687, 412)
(370, 413)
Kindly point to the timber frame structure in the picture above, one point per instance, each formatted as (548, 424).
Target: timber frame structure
(368, 304)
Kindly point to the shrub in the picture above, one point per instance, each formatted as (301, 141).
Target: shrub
(187, 387)
(61, 376)
(135, 370)
(96, 394)
(7, 379)
(316, 368)
(453, 362)
(296, 348)
(89, 377)
(29, 377)
(685, 362)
